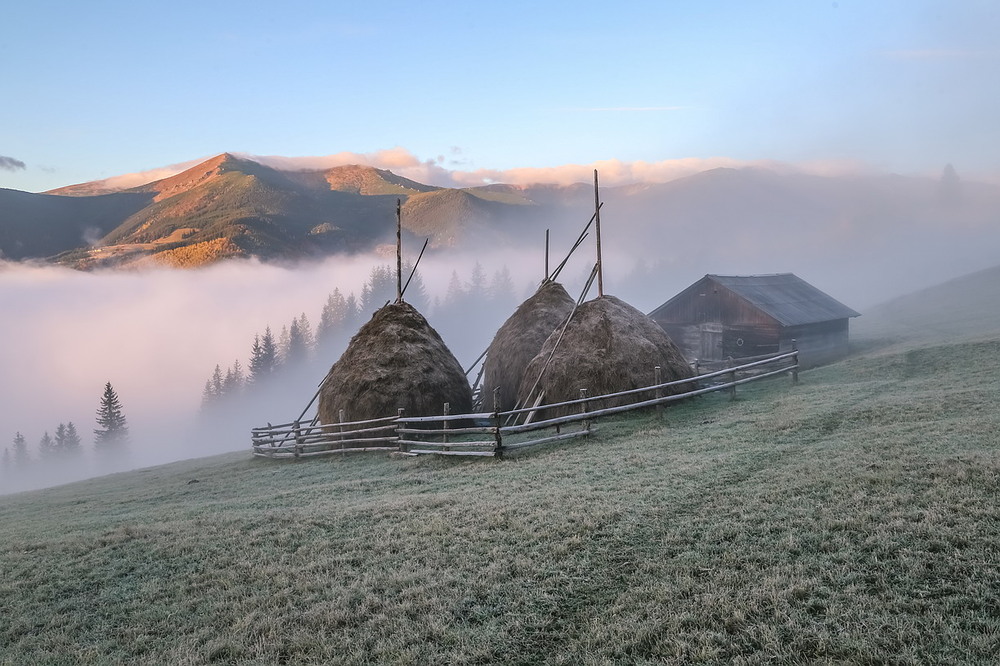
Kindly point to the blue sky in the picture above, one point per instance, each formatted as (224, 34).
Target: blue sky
(94, 90)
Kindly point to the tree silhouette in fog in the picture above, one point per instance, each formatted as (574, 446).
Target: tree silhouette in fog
(112, 428)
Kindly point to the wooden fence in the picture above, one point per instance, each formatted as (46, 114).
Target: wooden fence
(485, 434)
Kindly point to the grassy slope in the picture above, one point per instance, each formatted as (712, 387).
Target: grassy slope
(851, 519)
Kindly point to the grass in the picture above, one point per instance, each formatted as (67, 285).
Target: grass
(850, 519)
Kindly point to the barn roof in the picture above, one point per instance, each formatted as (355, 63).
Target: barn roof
(784, 296)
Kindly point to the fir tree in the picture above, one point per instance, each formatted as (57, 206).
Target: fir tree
(501, 291)
(352, 318)
(113, 427)
(332, 319)
(60, 439)
(380, 288)
(305, 330)
(233, 383)
(47, 447)
(71, 443)
(295, 350)
(21, 457)
(263, 357)
(416, 292)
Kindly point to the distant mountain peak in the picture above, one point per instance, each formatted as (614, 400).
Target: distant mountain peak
(361, 179)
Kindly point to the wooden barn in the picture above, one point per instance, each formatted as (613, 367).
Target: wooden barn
(740, 316)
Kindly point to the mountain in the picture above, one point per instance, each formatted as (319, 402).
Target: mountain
(874, 235)
(231, 207)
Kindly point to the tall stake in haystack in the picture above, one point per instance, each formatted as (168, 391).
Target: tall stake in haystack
(396, 361)
(606, 346)
(597, 231)
(399, 252)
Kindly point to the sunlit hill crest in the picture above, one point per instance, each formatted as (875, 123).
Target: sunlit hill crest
(231, 207)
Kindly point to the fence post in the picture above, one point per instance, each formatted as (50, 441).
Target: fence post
(399, 442)
(583, 406)
(795, 359)
(498, 446)
(340, 415)
(659, 392)
(444, 426)
(732, 379)
(297, 431)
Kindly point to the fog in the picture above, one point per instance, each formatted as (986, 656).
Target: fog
(157, 335)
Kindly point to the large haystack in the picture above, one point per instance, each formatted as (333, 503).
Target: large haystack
(395, 360)
(608, 347)
(520, 339)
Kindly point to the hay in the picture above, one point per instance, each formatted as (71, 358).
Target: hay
(521, 338)
(608, 347)
(395, 360)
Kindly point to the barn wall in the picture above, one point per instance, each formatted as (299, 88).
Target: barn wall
(818, 343)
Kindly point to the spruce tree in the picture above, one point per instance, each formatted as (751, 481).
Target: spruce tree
(47, 446)
(332, 318)
(21, 457)
(233, 383)
(60, 439)
(113, 427)
(263, 357)
(71, 443)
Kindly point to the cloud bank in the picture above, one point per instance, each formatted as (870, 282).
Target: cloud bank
(434, 171)
(11, 164)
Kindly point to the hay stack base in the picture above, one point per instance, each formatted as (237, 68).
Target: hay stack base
(521, 338)
(396, 360)
(608, 347)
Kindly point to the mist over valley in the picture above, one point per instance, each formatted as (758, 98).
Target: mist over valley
(180, 274)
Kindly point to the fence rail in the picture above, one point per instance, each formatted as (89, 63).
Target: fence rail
(452, 434)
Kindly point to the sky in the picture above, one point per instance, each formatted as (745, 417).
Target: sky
(100, 89)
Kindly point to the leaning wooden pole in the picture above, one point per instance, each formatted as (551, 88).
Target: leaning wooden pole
(597, 228)
(399, 252)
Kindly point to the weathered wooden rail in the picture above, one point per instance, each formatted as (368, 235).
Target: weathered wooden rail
(485, 434)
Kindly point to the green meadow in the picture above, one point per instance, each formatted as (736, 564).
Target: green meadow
(851, 519)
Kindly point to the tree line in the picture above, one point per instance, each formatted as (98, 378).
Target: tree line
(111, 434)
(466, 316)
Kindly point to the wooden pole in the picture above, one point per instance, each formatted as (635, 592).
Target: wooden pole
(657, 379)
(444, 426)
(597, 228)
(546, 256)
(795, 369)
(399, 415)
(340, 414)
(399, 251)
(732, 378)
(498, 445)
(583, 409)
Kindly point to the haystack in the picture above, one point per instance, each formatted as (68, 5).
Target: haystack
(608, 347)
(396, 360)
(520, 339)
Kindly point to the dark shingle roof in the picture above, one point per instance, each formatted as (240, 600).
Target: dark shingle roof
(786, 297)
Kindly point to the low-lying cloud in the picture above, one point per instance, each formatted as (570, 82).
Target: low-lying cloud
(435, 171)
(11, 164)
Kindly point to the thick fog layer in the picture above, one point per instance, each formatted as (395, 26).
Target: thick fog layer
(158, 335)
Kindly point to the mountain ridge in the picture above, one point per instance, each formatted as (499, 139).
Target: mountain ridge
(725, 220)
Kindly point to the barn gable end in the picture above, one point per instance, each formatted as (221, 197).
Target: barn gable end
(721, 316)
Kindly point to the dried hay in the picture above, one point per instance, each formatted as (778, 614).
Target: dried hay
(520, 339)
(608, 347)
(396, 360)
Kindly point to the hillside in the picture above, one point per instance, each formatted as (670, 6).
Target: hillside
(850, 519)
